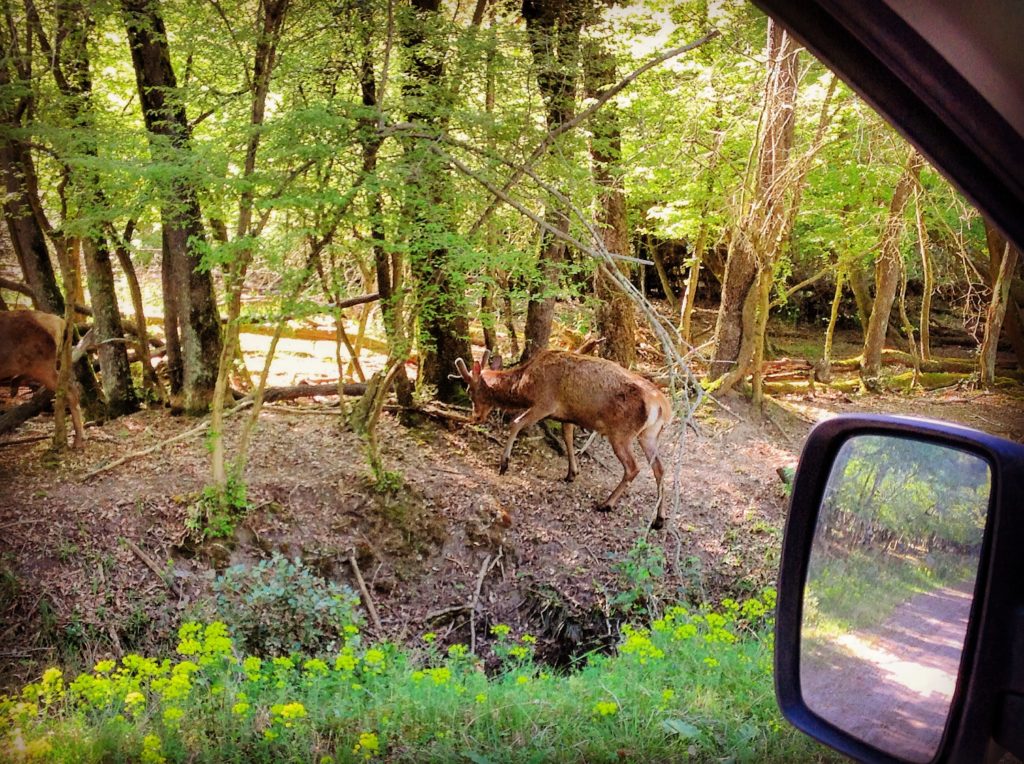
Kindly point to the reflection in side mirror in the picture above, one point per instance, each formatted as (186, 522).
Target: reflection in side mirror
(889, 589)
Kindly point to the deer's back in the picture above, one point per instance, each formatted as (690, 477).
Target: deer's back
(594, 393)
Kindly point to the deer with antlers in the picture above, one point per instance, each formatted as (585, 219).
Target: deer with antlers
(577, 390)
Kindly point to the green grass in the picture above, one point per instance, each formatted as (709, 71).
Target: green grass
(860, 589)
(695, 686)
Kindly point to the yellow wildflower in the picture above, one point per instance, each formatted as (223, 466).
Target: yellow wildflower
(368, 745)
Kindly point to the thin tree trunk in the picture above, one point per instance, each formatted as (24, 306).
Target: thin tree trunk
(692, 282)
(995, 314)
(149, 377)
(907, 327)
(389, 267)
(69, 64)
(270, 23)
(928, 274)
(824, 371)
(887, 270)
(1011, 323)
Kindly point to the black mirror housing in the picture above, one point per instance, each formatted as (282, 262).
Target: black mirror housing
(987, 711)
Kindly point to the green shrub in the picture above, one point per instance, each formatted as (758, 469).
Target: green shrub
(278, 607)
(217, 510)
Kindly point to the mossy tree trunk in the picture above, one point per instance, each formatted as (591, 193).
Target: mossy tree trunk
(758, 235)
(1004, 270)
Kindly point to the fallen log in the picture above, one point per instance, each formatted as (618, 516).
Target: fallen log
(891, 357)
(13, 418)
(272, 394)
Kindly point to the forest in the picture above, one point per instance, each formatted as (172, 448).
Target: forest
(273, 227)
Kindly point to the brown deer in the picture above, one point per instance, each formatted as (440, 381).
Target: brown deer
(29, 340)
(576, 389)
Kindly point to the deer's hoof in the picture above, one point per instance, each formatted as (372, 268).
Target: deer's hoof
(657, 524)
(503, 467)
(603, 508)
(570, 477)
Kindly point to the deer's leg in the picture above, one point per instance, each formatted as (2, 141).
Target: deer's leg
(625, 454)
(76, 415)
(529, 417)
(568, 428)
(649, 443)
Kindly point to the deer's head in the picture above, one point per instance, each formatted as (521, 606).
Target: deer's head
(477, 386)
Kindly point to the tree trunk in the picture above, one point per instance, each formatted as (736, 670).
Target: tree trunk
(149, 377)
(823, 372)
(23, 211)
(193, 303)
(27, 236)
(616, 315)
(887, 274)
(928, 275)
(1012, 329)
(758, 236)
(389, 267)
(860, 284)
(269, 24)
(71, 72)
(997, 307)
(442, 314)
(113, 352)
(553, 29)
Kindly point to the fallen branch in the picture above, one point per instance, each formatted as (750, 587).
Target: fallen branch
(19, 287)
(803, 284)
(22, 441)
(244, 404)
(151, 564)
(476, 601)
(367, 600)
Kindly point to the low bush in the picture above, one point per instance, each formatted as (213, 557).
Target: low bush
(280, 606)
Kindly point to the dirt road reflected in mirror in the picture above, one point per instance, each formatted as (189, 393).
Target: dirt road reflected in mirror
(889, 590)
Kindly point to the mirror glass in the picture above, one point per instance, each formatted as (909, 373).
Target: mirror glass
(889, 589)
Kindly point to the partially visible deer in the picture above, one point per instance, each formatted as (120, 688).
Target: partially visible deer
(576, 389)
(29, 340)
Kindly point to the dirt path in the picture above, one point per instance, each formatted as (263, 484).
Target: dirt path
(892, 685)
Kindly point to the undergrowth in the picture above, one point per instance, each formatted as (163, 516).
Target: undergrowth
(695, 685)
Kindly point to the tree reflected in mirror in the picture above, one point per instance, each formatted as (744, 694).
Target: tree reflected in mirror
(889, 589)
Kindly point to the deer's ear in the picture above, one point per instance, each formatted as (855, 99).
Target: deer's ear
(496, 363)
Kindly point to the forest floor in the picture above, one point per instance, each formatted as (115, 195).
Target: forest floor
(448, 537)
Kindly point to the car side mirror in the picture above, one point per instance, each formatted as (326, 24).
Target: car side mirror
(900, 623)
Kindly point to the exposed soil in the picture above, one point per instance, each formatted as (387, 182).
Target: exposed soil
(71, 587)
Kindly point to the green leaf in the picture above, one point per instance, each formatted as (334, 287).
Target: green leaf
(685, 730)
